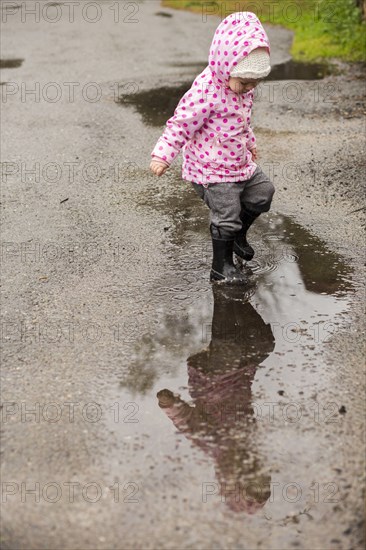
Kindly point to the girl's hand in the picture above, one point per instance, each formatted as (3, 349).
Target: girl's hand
(254, 153)
(158, 167)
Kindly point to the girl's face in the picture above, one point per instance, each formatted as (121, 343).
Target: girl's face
(242, 85)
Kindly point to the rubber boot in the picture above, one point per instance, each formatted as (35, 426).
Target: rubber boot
(223, 268)
(241, 246)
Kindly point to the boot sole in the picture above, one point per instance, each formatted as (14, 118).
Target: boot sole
(242, 254)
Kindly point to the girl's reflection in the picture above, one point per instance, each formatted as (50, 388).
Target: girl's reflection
(221, 421)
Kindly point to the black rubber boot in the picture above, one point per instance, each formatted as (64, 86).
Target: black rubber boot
(223, 268)
(241, 246)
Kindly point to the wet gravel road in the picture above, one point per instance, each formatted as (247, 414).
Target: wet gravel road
(141, 408)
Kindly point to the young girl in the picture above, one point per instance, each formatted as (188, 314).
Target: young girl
(211, 123)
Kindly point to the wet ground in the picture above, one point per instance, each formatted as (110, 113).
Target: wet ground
(143, 407)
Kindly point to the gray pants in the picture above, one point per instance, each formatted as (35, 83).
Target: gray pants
(227, 200)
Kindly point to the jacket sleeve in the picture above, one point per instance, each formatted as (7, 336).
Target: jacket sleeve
(192, 111)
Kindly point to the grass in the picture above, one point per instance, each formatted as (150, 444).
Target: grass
(323, 28)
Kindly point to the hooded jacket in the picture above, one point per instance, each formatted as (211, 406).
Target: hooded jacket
(211, 123)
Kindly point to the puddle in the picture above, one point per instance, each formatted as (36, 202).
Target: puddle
(218, 357)
(157, 105)
(296, 70)
(163, 14)
(10, 63)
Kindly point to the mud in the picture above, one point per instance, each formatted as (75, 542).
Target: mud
(143, 407)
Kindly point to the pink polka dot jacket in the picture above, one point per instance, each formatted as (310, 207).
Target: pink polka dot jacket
(211, 123)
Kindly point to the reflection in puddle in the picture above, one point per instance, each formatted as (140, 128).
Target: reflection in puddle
(219, 419)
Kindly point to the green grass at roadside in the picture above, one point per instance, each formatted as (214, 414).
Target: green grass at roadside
(323, 28)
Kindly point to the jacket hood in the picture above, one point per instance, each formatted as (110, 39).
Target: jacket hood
(235, 37)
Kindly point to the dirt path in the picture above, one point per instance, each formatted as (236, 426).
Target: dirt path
(106, 303)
